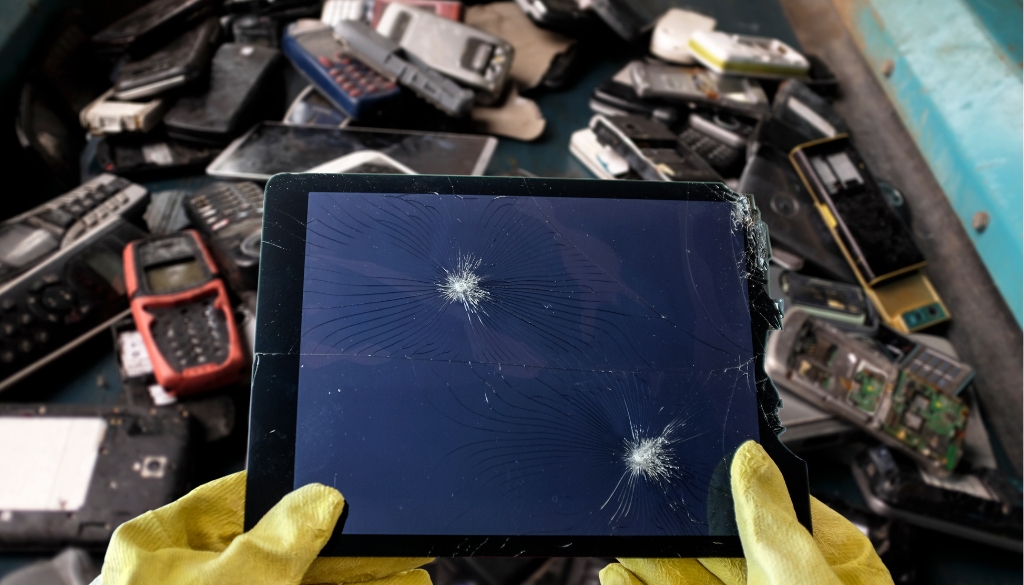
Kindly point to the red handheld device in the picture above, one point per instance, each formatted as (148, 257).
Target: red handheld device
(181, 308)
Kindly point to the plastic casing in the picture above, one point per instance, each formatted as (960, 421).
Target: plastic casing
(747, 55)
(671, 37)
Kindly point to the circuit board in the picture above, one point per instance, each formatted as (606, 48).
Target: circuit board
(866, 390)
(927, 420)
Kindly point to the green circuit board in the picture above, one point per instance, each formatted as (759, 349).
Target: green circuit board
(927, 420)
(866, 391)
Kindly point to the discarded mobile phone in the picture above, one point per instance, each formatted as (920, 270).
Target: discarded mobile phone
(981, 506)
(468, 55)
(151, 25)
(151, 156)
(443, 8)
(312, 109)
(561, 15)
(240, 84)
(341, 78)
(250, 29)
(834, 301)
(382, 54)
(841, 374)
(697, 85)
(181, 308)
(747, 55)
(719, 138)
(601, 160)
(651, 149)
(800, 115)
(178, 63)
(617, 98)
(876, 244)
(364, 161)
(70, 474)
(230, 217)
(104, 115)
(793, 223)
(940, 369)
(671, 37)
(61, 280)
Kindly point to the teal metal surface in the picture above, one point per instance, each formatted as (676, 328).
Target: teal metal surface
(952, 69)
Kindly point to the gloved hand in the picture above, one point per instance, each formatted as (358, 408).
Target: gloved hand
(199, 540)
(778, 549)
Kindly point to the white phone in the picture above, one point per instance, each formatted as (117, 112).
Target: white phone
(364, 161)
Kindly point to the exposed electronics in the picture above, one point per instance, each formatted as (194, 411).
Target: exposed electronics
(468, 55)
(104, 115)
(835, 301)
(61, 280)
(844, 375)
(230, 217)
(71, 474)
(387, 58)
(364, 161)
(271, 148)
(240, 84)
(312, 109)
(671, 37)
(178, 63)
(150, 25)
(719, 138)
(485, 374)
(601, 160)
(151, 156)
(562, 15)
(444, 8)
(181, 308)
(940, 369)
(794, 224)
(876, 244)
(697, 85)
(800, 115)
(651, 149)
(341, 78)
(981, 506)
(747, 55)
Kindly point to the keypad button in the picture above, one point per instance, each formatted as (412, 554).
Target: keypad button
(41, 337)
(84, 308)
(7, 356)
(8, 305)
(325, 61)
(8, 329)
(25, 346)
(58, 217)
(25, 319)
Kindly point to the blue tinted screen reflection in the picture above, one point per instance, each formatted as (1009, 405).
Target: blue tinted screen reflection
(524, 366)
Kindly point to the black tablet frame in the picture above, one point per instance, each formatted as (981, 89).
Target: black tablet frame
(272, 418)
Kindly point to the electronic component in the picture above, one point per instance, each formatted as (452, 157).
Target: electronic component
(719, 138)
(108, 116)
(938, 368)
(71, 474)
(238, 74)
(470, 56)
(180, 62)
(150, 25)
(312, 109)
(841, 374)
(364, 161)
(181, 308)
(382, 54)
(651, 149)
(61, 279)
(671, 37)
(699, 86)
(982, 506)
(230, 217)
(747, 55)
(443, 8)
(834, 301)
(341, 78)
(876, 244)
(601, 160)
(151, 156)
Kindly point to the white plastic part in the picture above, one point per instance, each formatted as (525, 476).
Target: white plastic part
(671, 37)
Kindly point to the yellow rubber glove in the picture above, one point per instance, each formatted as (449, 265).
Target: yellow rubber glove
(199, 540)
(778, 549)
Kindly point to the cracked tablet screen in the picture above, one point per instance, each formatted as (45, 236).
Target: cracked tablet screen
(481, 365)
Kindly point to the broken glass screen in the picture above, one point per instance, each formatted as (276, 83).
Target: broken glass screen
(484, 365)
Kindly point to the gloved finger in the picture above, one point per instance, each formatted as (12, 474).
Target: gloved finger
(285, 542)
(413, 577)
(730, 571)
(359, 569)
(777, 547)
(845, 548)
(664, 572)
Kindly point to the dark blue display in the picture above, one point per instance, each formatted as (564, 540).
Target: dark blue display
(524, 365)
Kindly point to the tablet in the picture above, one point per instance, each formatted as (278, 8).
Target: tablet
(500, 366)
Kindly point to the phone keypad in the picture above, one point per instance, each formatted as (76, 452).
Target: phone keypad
(191, 335)
(355, 78)
(227, 205)
(719, 155)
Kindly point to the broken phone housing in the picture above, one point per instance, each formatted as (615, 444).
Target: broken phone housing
(178, 63)
(841, 374)
(719, 138)
(151, 156)
(835, 301)
(511, 343)
(877, 245)
(947, 373)
(696, 85)
(651, 149)
(71, 474)
(800, 115)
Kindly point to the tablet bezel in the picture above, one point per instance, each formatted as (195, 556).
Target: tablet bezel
(272, 425)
